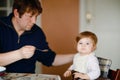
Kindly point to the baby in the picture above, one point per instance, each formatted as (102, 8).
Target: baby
(85, 63)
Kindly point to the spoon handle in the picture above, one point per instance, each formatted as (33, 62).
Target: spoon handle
(44, 50)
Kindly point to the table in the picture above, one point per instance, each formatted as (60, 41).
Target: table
(29, 76)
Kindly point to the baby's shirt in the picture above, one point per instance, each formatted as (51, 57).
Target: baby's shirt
(86, 64)
(80, 63)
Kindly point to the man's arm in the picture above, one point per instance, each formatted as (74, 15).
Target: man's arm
(62, 59)
(13, 56)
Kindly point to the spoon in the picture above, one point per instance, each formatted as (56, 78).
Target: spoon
(44, 50)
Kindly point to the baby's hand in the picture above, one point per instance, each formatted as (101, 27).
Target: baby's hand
(67, 73)
(78, 75)
(81, 75)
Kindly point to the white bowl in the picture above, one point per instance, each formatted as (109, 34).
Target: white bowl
(2, 69)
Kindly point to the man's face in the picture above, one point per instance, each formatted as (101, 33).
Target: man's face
(26, 21)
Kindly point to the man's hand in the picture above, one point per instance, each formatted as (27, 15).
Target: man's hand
(26, 51)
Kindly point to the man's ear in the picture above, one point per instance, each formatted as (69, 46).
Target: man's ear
(15, 12)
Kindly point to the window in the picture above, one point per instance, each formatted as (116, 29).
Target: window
(5, 7)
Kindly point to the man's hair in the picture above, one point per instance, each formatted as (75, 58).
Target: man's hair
(30, 6)
(87, 34)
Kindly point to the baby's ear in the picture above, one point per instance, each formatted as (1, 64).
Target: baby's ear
(94, 48)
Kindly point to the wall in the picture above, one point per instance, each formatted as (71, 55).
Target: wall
(105, 22)
(60, 24)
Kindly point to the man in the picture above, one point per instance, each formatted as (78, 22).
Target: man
(22, 42)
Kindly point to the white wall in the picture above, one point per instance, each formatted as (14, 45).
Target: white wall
(38, 64)
(105, 22)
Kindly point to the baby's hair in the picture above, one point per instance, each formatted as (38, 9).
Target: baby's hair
(87, 34)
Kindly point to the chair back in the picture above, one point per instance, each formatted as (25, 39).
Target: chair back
(105, 65)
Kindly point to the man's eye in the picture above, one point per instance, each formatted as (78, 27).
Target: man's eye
(30, 16)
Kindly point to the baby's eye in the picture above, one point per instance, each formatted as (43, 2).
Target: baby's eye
(87, 43)
(80, 43)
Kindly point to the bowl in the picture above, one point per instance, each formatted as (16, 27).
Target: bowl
(2, 70)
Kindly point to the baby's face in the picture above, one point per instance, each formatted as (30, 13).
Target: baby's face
(85, 46)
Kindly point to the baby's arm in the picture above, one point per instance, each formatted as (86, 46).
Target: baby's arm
(93, 68)
(68, 72)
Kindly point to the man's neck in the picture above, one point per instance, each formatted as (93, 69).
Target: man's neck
(17, 27)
